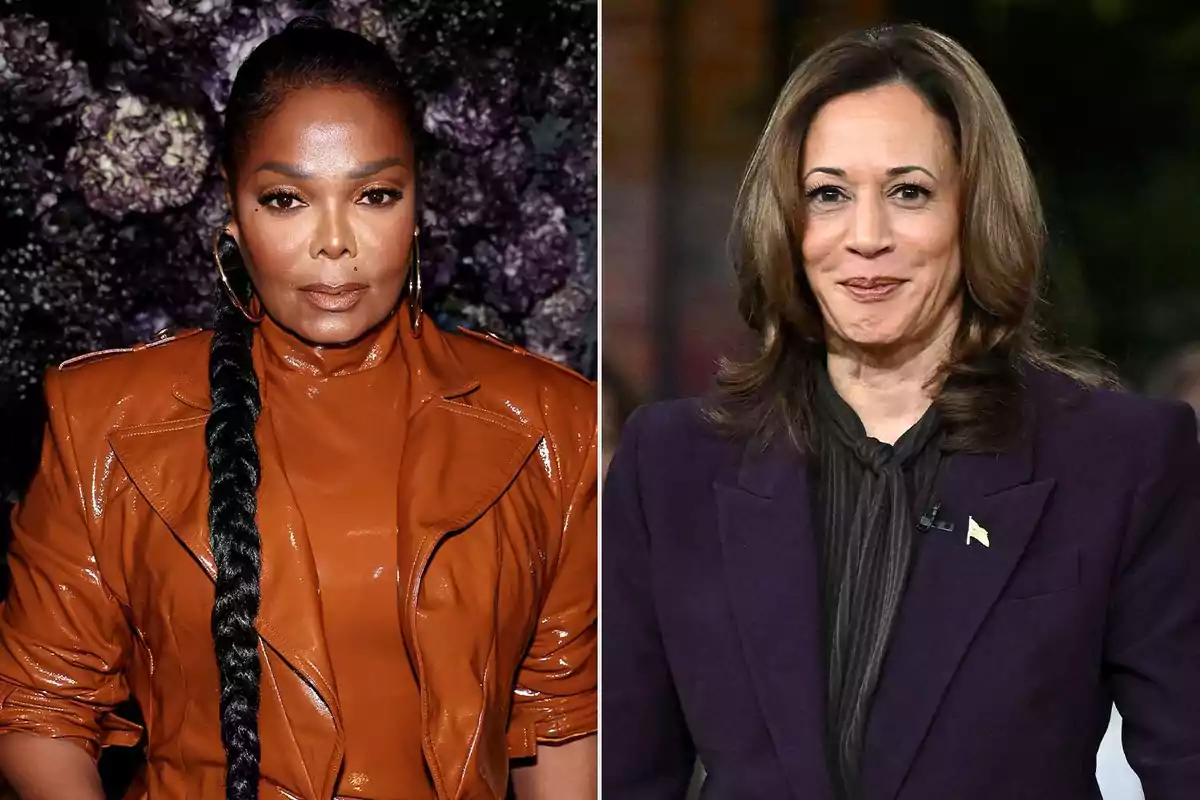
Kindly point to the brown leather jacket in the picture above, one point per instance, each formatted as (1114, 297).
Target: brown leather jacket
(112, 576)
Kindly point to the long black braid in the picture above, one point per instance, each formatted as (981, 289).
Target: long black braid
(308, 53)
(233, 502)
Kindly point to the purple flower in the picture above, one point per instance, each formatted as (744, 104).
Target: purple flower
(533, 261)
(173, 16)
(477, 108)
(245, 30)
(36, 74)
(367, 18)
(560, 325)
(137, 156)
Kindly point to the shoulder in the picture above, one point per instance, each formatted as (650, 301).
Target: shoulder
(511, 375)
(675, 440)
(1143, 433)
(126, 381)
(673, 423)
(533, 390)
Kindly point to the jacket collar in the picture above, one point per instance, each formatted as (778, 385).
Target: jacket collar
(435, 368)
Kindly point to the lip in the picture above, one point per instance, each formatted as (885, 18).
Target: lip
(333, 288)
(872, 290)
(334, 297)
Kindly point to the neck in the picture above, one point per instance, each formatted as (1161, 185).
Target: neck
(891, 389)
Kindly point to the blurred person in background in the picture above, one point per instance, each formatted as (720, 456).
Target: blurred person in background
(328, 548)
(906, 551)
(1178, 377)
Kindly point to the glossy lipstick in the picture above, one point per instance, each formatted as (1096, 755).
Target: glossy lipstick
(331, 297)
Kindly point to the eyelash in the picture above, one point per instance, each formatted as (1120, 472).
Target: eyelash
(924, 192)
(389, 194)
(814, 193)
(279, 194)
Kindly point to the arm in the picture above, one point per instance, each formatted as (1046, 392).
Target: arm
(63, 637)
(554, 706)
(560, 772)
(648, 754)
(1152, 652)
(48, 769)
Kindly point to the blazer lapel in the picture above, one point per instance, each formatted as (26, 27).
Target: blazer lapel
(953, 586)
(167, 462)
(772, 572)
(459, 459)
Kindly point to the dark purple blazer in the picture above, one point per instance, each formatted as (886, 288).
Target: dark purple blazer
(1005, 659)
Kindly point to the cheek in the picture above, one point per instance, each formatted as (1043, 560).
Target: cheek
(385, 239)
(272, 246)
(819, 239)
(934, 248)
(820, 246)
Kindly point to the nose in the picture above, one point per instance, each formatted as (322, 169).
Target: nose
(334, 237)
(870, 228)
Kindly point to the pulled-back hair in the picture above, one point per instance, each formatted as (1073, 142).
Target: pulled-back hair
(1002, 236)
(309, 53)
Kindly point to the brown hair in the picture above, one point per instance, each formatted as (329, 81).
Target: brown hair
(1002, 237)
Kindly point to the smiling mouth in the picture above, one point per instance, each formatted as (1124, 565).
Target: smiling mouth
(871, 283)
(872, 290)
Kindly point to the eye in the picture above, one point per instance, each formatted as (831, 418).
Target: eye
(381, 196)
(911, 194)
(826, 195)
(281, 200)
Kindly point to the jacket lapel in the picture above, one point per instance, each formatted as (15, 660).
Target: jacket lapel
(167, 462)
(952, 588)
(772, 572)
(462, 459)
(459, 458)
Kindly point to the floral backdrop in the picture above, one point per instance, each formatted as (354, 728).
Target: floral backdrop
(110, 191)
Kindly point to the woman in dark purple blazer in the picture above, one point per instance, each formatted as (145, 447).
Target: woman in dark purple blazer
(905, 553)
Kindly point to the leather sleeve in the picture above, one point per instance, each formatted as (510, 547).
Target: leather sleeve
(1152, 650)
(555, 697)
(63, 636)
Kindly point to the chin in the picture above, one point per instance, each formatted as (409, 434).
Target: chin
(875, 334)
(338, 329)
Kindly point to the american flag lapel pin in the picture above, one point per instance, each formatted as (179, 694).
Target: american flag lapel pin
(977, 532)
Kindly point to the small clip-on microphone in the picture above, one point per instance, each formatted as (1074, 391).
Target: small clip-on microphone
(929, 520)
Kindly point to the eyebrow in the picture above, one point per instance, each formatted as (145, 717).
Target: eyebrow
(364, 171)
(892, 173)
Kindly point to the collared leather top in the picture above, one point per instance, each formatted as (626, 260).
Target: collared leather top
(112, 574)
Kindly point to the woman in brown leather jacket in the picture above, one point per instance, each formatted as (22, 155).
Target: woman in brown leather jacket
(383, 584)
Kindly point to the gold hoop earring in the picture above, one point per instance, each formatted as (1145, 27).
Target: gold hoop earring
(225, 284)
(414, 288)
